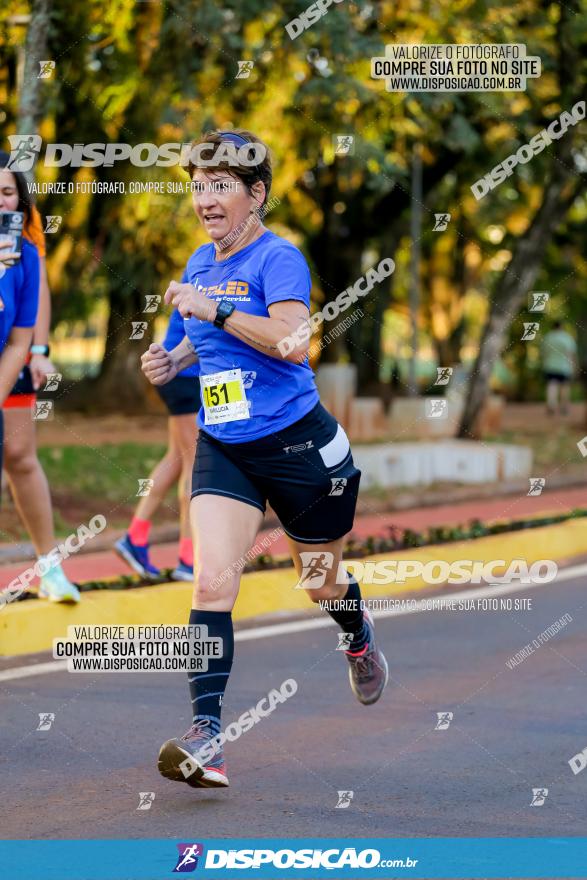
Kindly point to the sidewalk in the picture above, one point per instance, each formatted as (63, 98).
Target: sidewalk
(104, 564)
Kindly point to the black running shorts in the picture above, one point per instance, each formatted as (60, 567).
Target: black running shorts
(305, 472)
(181, 396)
(557, 377)
(24, 383)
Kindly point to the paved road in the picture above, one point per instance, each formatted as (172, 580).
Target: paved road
(513, 730)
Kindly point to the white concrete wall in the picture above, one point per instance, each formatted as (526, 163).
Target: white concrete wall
(423, 463)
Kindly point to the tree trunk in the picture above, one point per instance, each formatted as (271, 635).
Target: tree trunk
(509, 295)
(582, 361)
(337, 258)
(121, 384)
(337, 248)
(524, 266)
(367, 341)
(520, 359)
(30, 109)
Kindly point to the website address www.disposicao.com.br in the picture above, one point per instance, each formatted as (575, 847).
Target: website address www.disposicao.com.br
(329, 859)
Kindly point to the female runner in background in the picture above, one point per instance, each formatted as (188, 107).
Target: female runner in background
(26, 478)
(181, 396)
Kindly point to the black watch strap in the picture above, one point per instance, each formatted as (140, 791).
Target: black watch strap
(223, 311)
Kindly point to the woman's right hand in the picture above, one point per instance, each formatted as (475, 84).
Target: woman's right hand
(158, 365)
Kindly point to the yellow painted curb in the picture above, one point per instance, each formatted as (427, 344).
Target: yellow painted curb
(27, 627)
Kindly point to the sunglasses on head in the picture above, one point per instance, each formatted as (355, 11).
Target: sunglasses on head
(234, 138)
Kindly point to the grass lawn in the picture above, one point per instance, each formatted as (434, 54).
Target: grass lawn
(86, 481)
(555, 449)
(109, 473)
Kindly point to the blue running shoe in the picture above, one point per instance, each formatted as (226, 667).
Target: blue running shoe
(137, 557)
(183, 572)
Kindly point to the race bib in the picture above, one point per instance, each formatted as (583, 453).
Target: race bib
(224, 397)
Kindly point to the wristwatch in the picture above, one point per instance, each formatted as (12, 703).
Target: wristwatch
(223, 311)
(40, 349)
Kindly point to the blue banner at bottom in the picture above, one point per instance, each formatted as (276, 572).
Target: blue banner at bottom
(304, 858)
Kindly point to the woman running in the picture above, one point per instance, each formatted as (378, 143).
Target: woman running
(26, 478)
(181, 396)
(19, 292)
(264, 436)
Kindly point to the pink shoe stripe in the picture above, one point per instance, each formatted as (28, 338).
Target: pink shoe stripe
(357, 653)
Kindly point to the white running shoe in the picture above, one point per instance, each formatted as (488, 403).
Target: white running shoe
(56, 587)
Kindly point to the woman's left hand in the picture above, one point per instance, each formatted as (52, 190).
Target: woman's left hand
(190, 303)
(7, 255)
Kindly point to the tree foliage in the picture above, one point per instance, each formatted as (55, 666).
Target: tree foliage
(156, 72)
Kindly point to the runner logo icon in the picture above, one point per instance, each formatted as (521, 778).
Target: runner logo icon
(248, 378)
(538, 301)
(338, 484)
(146, 799)
(46, 719)
(315, 567)
(344, 144)
(539, 795)
(244, 69)
(52, 223)
(443, 375)
(435, 408)
(46, 69)
(43, 410)
(537, 484)
(187, 860)
(52, 381)
(152, 301)
(444, 719)
(138, 329)
(441, 222)
(24, 151)
(344, 799)
(530, 331)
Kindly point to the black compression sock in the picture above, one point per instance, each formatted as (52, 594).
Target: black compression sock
(207, 688)
(349, 615)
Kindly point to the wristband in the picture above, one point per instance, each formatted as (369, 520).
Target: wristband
(40, 349)
(223, 311)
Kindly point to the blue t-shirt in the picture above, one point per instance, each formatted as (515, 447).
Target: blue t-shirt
(175, 334)
(268, 271)
(19, 293)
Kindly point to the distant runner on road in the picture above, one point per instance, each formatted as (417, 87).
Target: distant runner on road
(559, 362)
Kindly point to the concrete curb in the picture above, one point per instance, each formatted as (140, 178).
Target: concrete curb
(30, 627)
